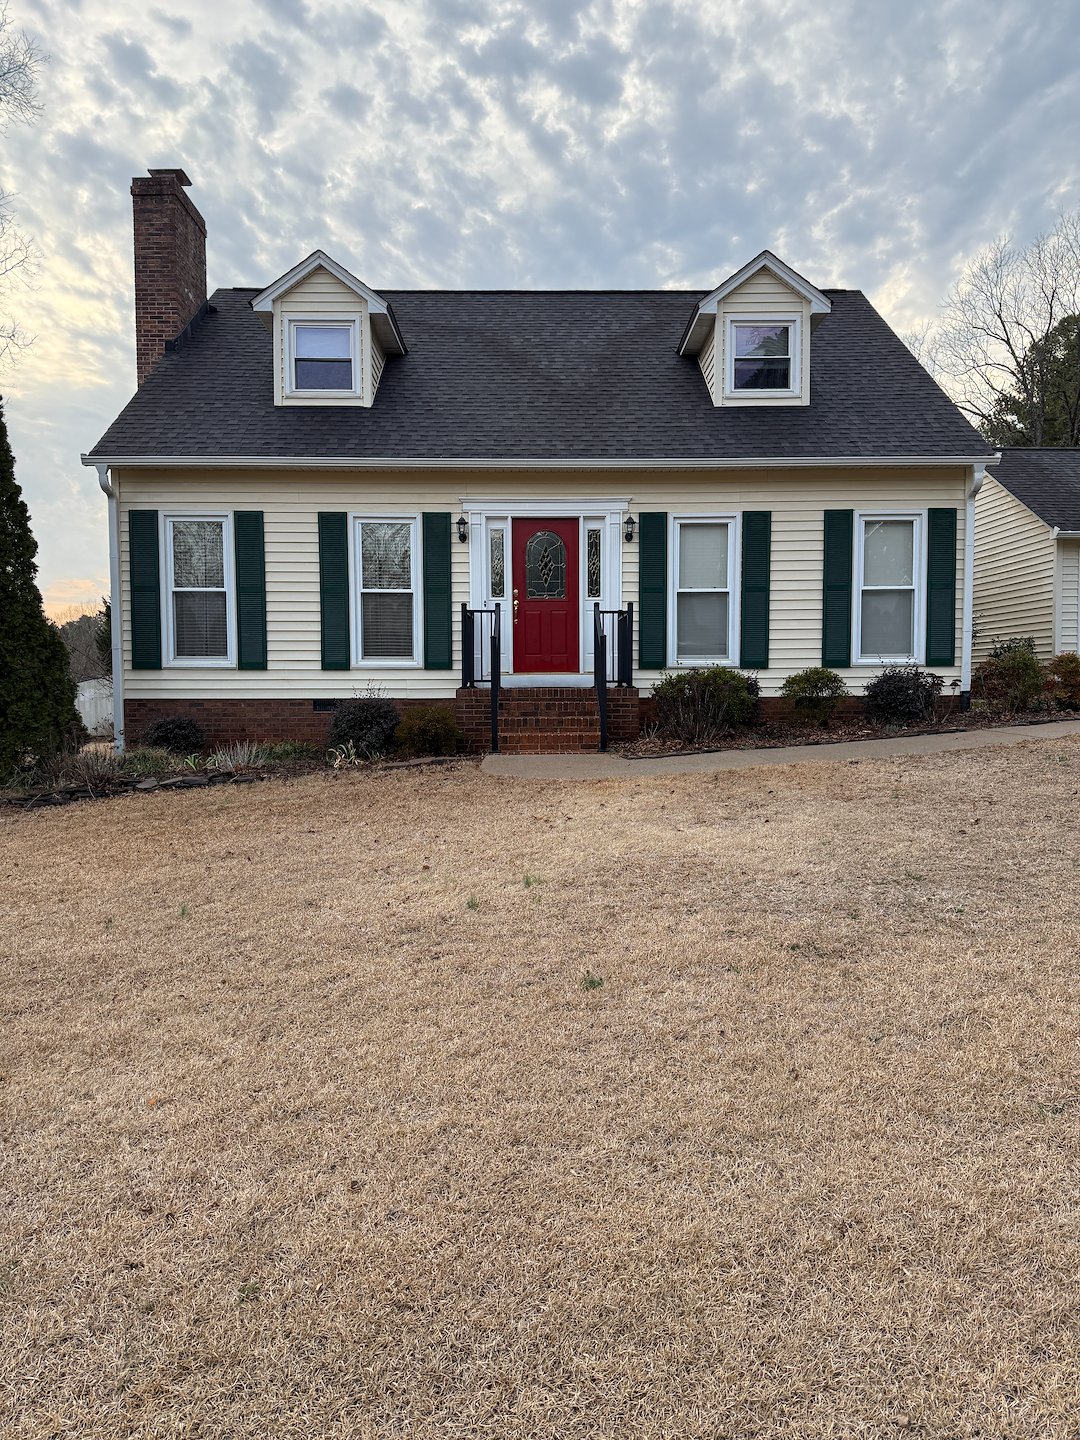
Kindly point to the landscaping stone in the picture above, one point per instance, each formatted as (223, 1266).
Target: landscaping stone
(149, 784)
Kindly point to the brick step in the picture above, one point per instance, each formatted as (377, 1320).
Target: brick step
(546, 720)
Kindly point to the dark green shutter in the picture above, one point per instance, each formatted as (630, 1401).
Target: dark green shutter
(438, 641)
(941, 587)
(250, 589)
(756, 564)
(836, 600)
(334, 589)
(652, 590)
(145, 577)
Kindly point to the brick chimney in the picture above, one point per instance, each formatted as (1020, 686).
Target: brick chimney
(170, 263)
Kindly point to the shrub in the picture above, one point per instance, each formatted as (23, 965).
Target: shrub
(94, 767)
(1064, 674)
(147, 763)
(237, 756)
(429, 730)
(1011, 679)
(902, 695)
(815, 693)
(176, 733)
(696, 706)
(367, 723)
(1001, 648)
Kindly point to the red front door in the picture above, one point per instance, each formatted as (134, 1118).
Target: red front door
(544, 555)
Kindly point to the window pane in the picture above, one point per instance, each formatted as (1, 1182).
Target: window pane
(324, 375)
(889, 552)
(887, 623)
(702, 625)
(592, 568)
(386, 623)
(703, 557)
(762, 340)
(201, 630)
(762, 374)
(318, 342)
(545, 567)
(198, 553)
(497, 543)
(386, 555)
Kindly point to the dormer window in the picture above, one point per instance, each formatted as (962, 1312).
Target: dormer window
(763, 356)
(324, 357)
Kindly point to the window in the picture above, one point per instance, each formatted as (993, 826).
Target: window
(324, 357)
(198, 568)
(763, 356)
(703, 550)
(888, 574)
(386, 570)
(593, 546)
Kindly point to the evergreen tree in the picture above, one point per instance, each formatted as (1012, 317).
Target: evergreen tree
(37, 694)
(1045, 408)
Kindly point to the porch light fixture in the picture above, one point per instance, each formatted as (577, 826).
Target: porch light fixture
(631, 527)
(462, 529)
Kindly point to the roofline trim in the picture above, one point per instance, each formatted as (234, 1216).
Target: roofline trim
(263, 302)
(819, 303)
(398, 462)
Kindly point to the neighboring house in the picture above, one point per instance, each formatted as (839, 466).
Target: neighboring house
(320, 487)
(1027, 552)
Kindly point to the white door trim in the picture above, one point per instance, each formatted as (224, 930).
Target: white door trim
(484, 514)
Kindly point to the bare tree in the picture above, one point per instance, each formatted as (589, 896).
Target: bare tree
(992, 349)
(21, 60)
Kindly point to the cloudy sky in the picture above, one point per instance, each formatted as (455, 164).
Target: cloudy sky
(874, 144)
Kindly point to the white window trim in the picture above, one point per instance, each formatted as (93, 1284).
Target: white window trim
(795, 389)
(168, 616)
(385, 662)
(733, 520)
(295, 322)
(918, 518)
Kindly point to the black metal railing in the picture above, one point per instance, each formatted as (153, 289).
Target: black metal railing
(476, 627)
(613, 656)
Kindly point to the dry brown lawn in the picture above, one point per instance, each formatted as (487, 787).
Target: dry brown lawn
(312, 1125)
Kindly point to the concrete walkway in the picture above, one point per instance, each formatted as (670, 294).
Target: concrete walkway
(607, 767)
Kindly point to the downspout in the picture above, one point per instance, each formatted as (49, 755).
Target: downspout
(978, 475)
(115, 605)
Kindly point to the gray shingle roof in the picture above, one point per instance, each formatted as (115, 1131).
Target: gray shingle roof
(548, 375)
(1046, 481)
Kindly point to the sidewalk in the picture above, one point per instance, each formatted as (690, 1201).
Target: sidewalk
(607, 767)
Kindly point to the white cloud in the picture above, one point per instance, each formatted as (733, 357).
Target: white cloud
(514, 143)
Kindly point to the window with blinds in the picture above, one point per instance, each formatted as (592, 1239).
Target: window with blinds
(387, 581)
(199, 570)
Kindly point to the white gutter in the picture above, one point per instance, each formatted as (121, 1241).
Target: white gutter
(398, 462)
(115, 605)
(977, 478)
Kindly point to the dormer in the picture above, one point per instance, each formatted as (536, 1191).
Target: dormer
(751, 335)
(332, 334)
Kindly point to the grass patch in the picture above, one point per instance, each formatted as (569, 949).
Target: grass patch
(809, 1169)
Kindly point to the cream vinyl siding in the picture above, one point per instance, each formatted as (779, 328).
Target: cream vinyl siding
(1014, 572)
(290, 502)
(762, 295)
(1068, 595)
(322, 294)
(378, 360)
(707, 361)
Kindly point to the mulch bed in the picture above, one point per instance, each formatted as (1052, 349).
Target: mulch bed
(779, 735)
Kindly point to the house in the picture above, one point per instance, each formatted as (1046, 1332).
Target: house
(320, 487)
(1027, 552)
